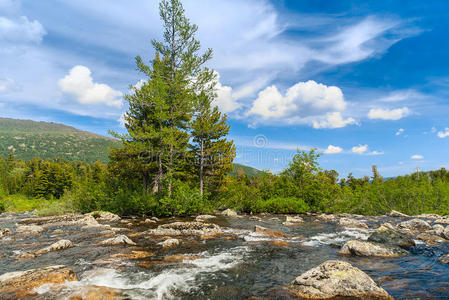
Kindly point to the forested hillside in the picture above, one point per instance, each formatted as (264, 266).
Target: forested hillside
(28, 139)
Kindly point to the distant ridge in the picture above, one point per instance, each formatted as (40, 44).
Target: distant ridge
(47, 140)
(28, 139)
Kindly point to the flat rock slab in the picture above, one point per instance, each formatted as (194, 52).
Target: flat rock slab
(363, 248)
(59, 245)
(21, 283)
(187, 228)
(335, 278)
(119, 240)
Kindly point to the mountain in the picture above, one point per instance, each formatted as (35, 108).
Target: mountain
(28, 139)
(250, 171)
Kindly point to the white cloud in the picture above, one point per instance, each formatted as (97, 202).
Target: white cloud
(7, 85)
(402, 95)
(400, 131)
(303, 103)
(443, 134)
(376, 153)
(360, 149)
(79, 83)
(331, 149)
(333, 120)
(385, 114)
(20, 30)
(417, 156)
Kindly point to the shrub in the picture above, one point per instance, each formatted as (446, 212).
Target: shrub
(281, 205)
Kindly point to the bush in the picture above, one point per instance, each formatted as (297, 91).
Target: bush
(184, 200)
(281, 205)
(53, 208)
(2, 206)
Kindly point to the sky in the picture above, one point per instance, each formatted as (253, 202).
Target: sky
(364, 82)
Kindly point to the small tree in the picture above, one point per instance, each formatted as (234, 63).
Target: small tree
(213, 154)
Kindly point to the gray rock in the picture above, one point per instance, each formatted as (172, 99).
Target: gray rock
(395, 213)
(438, 229)
(363, 248)
(104, 216)
(442, 220)
(202, 218)
(30, 229)
(333, 279)
(415, 225)
(293, 220)
(445, 233)
(169, 243)
(118, 240)
(351, 223)
(387, 236)
(444, 259)
(4, 232)
(59, 245)
(229, 213)
(187, 228)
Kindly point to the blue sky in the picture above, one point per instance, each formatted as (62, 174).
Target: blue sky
(365, 82)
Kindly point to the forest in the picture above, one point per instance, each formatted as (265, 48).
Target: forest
(176, 159)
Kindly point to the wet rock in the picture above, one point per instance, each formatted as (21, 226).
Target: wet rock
(444, 259)
(395, 213)
(133, 255)
(442, 220)
(169, 243)
(428, 216)
(229, 213)
(29, 229)
(445, 233)
(269, 232)
(187, 228)
(104, 216)
(118, 240)
(351, 223)
(202, 218)
(26, 255)
(256, 218)
(22, 283)
(4, 232)
(293, 220)
(363, 248)
(59, 245)
(52, 220)
(279, 243)
(385, 235)
(333, 279)
(149, 221)
(93, 292)
(430, 238)
(438, 229)
(179, 258)
(415, 225)
(327, 218)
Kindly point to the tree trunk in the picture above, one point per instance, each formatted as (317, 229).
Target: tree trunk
(201, 167)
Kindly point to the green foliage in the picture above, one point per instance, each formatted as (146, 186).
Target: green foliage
(30, 139)
(53, 208)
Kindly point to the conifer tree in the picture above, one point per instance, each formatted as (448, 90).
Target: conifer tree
(161, 109)
(213, 154)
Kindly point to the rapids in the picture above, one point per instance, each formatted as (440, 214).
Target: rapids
(236, 265)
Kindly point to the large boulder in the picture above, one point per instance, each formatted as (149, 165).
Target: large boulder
(327, 218)
(269, 232)
(416, 225)
(333, 279)
(395, 213)
(104, 216)
(59, 245)
(187, 228)
(22, 283)
(118, 240)
(386, 235)
(438, 229)
(352, 223)
(363, 248)
(431, 239)
(445, 233)
(229, 213)
(442, 220)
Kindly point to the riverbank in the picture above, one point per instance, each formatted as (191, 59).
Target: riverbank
(220, 256)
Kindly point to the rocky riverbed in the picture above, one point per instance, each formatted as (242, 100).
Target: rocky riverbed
(225, 256)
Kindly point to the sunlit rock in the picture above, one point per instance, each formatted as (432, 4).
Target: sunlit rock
(415, 225)
(229, 213)
(104, 216)
(22, 283)
(118, 240)
(388, 236)
(59, 245)
(29, 229)
(168, 243)
(293, 220)
(351, 223)
(333, 279)
(187, 228)
(395, 213)
(269, 232)
(363, 248)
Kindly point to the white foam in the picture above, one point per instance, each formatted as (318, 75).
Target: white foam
(337, 237)
(145, 285)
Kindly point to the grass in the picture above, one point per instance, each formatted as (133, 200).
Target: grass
(20, 203)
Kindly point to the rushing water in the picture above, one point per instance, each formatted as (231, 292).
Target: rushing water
(238, 265)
